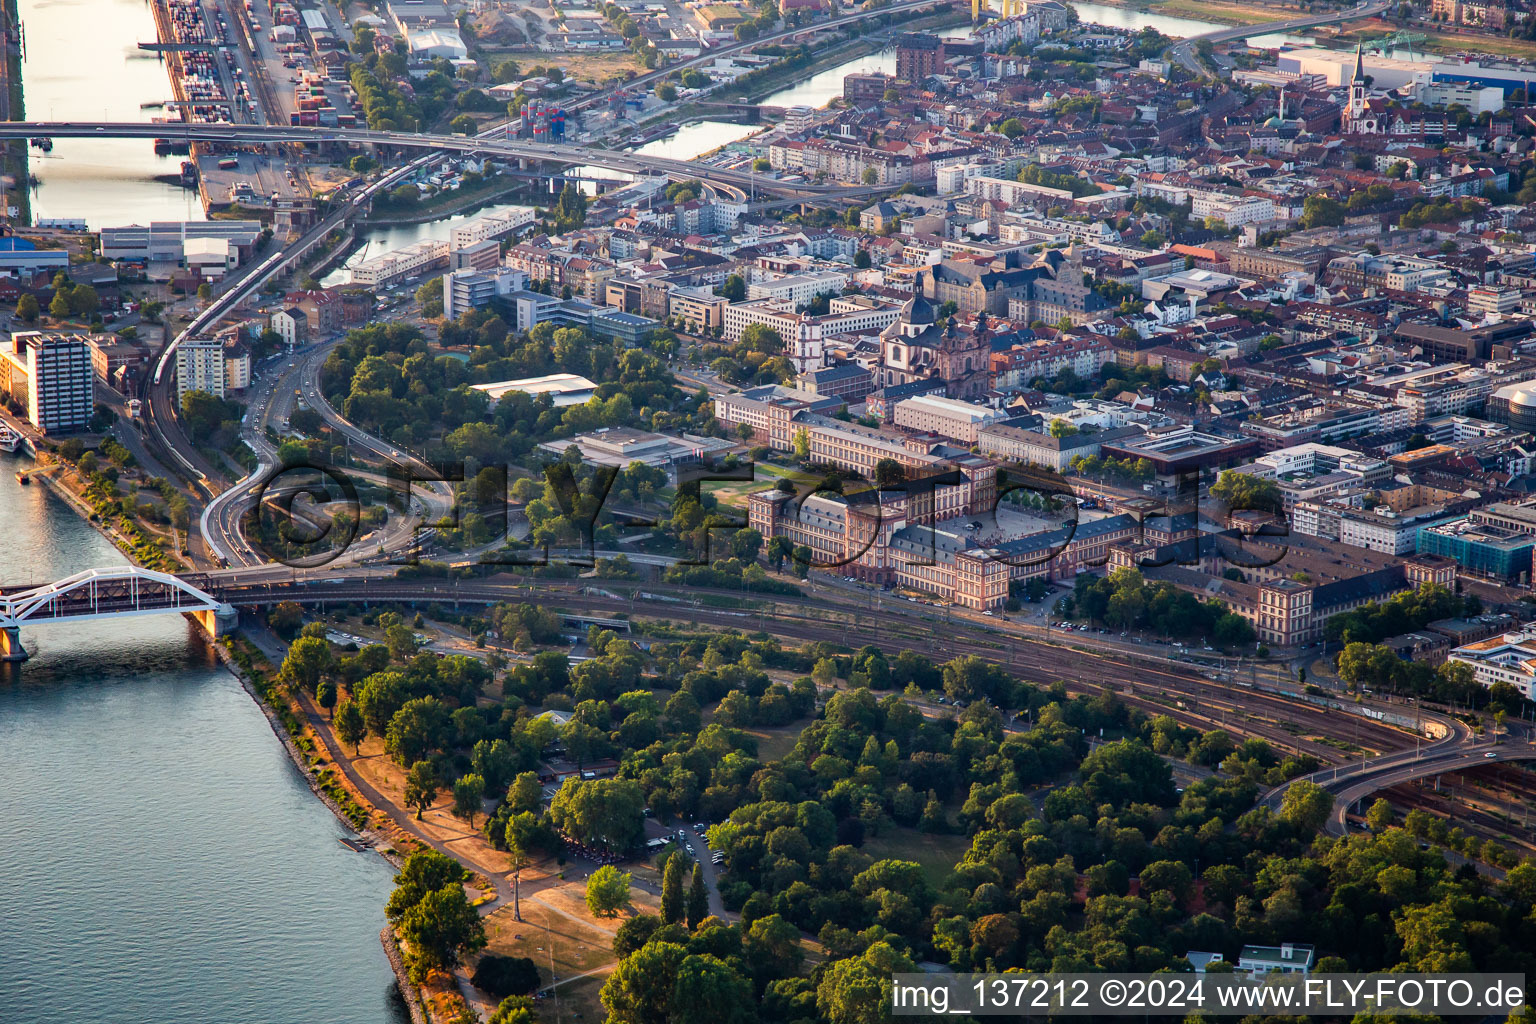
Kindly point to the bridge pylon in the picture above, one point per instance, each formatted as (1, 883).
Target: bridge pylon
(10, 644)
(217, 622)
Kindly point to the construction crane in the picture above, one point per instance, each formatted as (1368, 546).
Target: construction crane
(1403, 40)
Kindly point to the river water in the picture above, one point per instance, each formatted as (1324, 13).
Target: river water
(83, 64)
(164, 860)
(696, 138)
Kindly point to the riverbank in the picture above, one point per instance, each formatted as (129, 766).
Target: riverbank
(1218, 11)
(495, 190)
(14, 102)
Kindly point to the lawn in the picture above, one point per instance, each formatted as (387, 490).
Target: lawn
(734, 492)
(589, 67)
(937, 854)
(1214, 10)
(773, 744)
(557, 933)
(578, 1001)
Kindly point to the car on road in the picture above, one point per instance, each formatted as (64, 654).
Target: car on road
(1491, 754)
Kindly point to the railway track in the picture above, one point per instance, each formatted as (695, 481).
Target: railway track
(1288, 726)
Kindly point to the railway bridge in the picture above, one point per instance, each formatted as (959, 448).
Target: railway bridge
(105, 593)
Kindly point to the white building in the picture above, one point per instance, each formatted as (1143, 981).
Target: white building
(1507, 658)
(798, 289)
(474, 289)
(400, 264)
(1232, 210)
(498, 225)
(563, 388)
(200, 366)
(237, 368)
(49, 376)
(946, 416)
(801, 334)
(1286, 958)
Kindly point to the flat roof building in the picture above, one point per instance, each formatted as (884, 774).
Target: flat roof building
(563, 388)
(49, 377)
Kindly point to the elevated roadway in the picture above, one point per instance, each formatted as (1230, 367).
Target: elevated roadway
(487, 144)
(1184, 51)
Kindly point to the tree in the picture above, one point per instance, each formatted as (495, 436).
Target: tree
(27, 308)
(286, 618)
(58, 306)
(666, 92)
(439, 931)
(83, 300)
(423, 871)
(525, 794)
(1306, 805)
(607, 891)
(503, 976)
(518, 858)
(307, 657)
(468, 791)
(1379, 817)
(858, 990)
(734, 289)
(378, 698)
(889, 474)
(672, 889)
(709, 989)
(349, 725)
(601, 813)
(802, 443)
(698, 897)
(745, 544)
(639, 990)
(1012, 128)
(417, 729)
(1320, 211)
(421, 787)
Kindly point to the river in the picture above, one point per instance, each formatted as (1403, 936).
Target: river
(83, 64)
(164, 860)
(698, 137)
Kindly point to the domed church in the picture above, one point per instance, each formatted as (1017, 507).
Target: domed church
(915, 347)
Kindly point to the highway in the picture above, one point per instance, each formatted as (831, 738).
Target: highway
(271, 406)
(1184, 51)
(1460, 750)
(486, 144)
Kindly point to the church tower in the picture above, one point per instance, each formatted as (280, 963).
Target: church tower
(1357, 86)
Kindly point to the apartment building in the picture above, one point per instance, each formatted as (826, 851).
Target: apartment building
(1021, 365)
(504, 222)
(464, 290)
(49, 377)
(798, 289)
(401, 264)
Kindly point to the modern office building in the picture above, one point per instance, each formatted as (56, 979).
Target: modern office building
(49, 377)
(1496, 541)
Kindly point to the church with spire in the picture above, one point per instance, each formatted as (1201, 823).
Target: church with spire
(1359, 117)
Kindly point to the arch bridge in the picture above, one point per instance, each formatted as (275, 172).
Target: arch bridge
(105, 593)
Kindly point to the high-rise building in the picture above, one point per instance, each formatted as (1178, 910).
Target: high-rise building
(200, 366)
(918, 55)
(49, 376)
